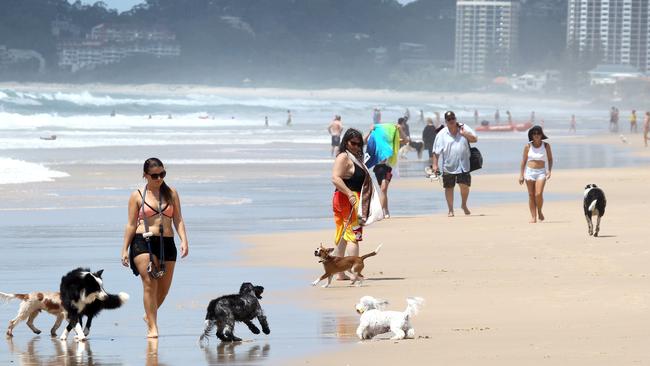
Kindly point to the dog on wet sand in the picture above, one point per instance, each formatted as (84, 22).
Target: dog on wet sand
(374, 320)
(594, 205)
(224, 311)
(31, 305)
(333, 265)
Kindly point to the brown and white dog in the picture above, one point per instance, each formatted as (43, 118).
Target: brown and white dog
(333, 265)
(32, 304)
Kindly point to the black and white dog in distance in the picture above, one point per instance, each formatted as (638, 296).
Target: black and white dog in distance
(82, 293)
(224, 311)
(594, 205)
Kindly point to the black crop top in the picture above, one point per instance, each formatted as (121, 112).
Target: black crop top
(355, 182)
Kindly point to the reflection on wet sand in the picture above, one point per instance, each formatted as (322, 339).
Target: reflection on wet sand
(152, 353)
(69, 354)
(340, 327)
(225, 352)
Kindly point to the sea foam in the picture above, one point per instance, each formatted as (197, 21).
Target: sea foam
(14, 171)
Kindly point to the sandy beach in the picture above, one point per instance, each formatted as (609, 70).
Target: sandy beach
(498, 290)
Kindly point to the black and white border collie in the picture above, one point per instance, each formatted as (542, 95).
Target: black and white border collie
(82, 293)
(594, 204)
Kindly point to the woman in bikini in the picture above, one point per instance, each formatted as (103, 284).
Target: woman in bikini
(536, 165)
(348, 179)
(154, 212)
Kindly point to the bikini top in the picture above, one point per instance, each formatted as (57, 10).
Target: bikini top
(537, 153)
(149, 211)
(355, 182)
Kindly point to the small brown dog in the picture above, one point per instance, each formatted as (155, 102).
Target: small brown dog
(335, 265)
(31, 306)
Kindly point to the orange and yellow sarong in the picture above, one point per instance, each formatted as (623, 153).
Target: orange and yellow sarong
(342, 207)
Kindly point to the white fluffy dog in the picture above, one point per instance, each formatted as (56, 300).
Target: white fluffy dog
(374, 320)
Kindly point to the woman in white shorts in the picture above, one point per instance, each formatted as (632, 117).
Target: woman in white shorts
(536, 166)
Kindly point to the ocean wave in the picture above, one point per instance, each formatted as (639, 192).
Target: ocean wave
(14, 171)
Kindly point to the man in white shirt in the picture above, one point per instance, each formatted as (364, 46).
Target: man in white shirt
(451, 149)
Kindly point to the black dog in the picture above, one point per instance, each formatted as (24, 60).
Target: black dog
(82, 293)
(224, 311)
(594, 204)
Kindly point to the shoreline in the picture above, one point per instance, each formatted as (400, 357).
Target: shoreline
(509, 292)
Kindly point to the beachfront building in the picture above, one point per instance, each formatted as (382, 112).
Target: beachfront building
(610, 31)
(486, 36)
(107, 44)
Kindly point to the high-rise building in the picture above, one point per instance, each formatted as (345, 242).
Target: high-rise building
(612, 31)
(486, 36)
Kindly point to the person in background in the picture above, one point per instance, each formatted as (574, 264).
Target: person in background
(160, 207)
(266, 121)
(633, 127)
(289, 118)
(428, 137)
(497, 117)
(646, 128)
(451, 148)
(335, 128)
(476, 117)
(421, 116)
(572, 126)
(509, 117)
(437, 123)
(536, 166)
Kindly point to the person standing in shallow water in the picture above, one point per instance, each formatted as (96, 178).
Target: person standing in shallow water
(536, 166)
(160, 206)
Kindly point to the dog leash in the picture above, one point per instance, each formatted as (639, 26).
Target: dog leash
(160, 230)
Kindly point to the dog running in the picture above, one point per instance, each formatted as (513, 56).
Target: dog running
(224, 311)
(375, 321)
(333, 265)
(82, 293)
(594, 205)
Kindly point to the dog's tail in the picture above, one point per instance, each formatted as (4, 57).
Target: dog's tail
(115, 301)
(592, 205)
(4, 297)
(373, 253)
(413, 305)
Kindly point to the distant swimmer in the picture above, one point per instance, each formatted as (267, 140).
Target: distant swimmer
(289, 118)
(149, 116)
(51, 137)
(113, 113)
(169, 116)
(335, 128)
(266, 121)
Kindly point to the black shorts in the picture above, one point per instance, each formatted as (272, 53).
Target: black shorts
(450, 180)
(383, 171)
(139, 246)
(336, 140)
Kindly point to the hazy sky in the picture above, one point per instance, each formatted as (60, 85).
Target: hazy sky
(123, 5)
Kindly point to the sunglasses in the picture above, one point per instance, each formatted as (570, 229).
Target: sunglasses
(356, 143)
(160, 175)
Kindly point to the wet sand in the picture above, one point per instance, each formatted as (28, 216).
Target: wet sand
(498, 290)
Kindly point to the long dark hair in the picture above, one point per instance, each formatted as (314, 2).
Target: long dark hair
(165, 191)
(350, 134)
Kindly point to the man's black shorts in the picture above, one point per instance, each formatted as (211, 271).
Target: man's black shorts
(450, 180)
(336, 140)
(383, 171)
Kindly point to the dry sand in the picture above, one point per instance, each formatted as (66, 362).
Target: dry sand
(498, 290)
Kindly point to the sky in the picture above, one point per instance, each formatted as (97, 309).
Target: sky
(124, 5)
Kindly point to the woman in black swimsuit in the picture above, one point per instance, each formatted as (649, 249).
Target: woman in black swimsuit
(348, 179)
(156, 210)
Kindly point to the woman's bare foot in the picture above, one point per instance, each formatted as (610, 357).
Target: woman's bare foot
(466, 210)
(532, 221)
(450, 214)
(540, 215)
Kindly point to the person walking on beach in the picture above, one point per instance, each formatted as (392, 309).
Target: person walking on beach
(572, 126)
(266, 121)
(452, 147)
(646, 128)
(335, 128)
(153, 213)
(613, 120)
(536, 166)
(509, 117)
(376, 116)
(289, 118)
(348, 178)
(633, 128)
(428, 137)
(497, 117)
(476, 117)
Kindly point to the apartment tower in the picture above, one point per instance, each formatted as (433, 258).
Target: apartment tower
(613, 31)
(486, 36)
